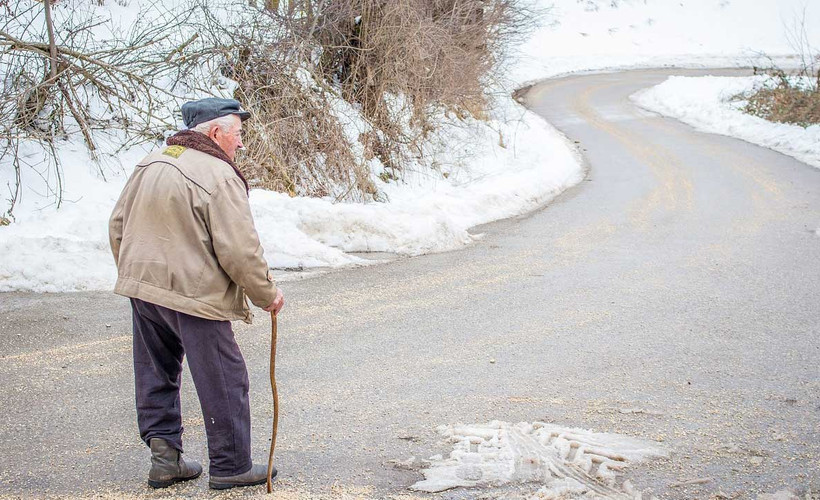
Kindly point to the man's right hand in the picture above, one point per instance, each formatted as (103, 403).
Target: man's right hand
(277, 303)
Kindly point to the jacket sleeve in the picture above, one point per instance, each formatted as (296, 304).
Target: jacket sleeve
(115, 229)
(236, 242)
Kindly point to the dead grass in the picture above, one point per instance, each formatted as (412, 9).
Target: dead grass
(438, 55)
(789, 100)
(296, 144)
(400, 64)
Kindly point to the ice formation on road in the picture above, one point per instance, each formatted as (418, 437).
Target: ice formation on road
(568, 462)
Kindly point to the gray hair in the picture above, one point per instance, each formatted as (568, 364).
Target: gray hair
(223, 122)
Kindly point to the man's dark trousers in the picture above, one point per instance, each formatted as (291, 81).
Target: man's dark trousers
(161, 338)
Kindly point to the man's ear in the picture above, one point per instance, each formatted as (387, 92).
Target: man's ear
(212, 132)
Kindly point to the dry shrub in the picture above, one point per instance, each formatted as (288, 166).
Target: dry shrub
(295, 142)
(400, 62)
(436, 54)
(789, 100)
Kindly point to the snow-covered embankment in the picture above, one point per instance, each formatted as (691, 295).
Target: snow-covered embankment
(486, 171)
(711, 104)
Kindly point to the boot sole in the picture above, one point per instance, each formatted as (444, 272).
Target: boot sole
(164, 484)
(227, 486)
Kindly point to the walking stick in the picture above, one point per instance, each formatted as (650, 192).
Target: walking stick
(275, 396)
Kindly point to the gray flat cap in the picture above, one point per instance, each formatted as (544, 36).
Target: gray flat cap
(203, 110)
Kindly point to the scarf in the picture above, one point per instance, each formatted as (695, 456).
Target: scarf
(204, 144)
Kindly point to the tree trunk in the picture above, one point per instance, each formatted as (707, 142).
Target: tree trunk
(52, 44)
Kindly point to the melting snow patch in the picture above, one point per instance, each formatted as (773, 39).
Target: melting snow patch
(570, 463)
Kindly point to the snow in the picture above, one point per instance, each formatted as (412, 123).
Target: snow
(594, 35)
(476, 172)
(709, 104)
(566, 462)
(428, 214)
(67, 249)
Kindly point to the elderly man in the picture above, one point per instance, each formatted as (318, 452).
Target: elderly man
(187, 254)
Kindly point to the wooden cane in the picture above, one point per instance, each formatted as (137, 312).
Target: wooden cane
(275, 396)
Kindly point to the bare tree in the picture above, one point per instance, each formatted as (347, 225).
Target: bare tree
(59, 77)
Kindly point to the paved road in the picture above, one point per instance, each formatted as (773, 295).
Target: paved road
(679, 278)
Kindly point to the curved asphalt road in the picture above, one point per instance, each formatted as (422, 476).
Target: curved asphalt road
(680, 278)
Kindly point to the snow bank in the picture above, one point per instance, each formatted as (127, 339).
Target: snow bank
(707, 104)
(48, 250)
(564, 460)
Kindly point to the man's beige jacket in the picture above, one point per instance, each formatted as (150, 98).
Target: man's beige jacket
(183, 237)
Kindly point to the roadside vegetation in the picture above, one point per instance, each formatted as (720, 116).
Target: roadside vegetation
(786, 98)
(333, 85)
(790, 96)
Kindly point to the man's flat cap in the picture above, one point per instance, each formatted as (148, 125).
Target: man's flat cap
(203, 110)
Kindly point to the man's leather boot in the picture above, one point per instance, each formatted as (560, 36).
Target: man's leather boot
(257, 475)
(168, 466)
